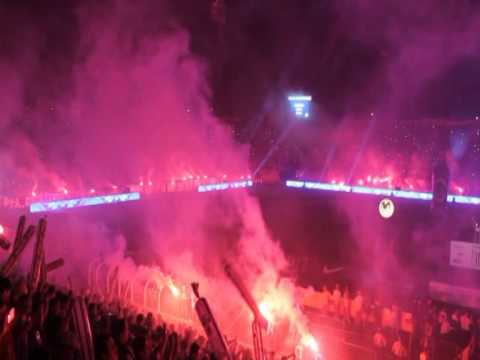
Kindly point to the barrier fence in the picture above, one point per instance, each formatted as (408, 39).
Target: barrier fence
(150, 290)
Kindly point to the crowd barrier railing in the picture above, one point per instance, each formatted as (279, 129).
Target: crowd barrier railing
(147, 290)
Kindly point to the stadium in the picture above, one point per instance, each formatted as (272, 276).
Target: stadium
(232, 180)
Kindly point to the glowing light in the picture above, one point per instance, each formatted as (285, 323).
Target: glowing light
(311, 343)
(371, 191)
(92, 191)
(173, 288)
(2, 230)
(11, 316)
(141, 183)
(266, 311)
(299, 98)
(386, 208)
(323, 186)
(378, 191)
(295, 184)
(34, 194)
(460, 199)
(65, 191)
(300, 105)
(412, 195)
(150, 183)
(225, 186)
(81, 202)
(360, 182)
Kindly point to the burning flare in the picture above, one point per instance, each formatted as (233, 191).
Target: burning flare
(173, 288)
(310, 342)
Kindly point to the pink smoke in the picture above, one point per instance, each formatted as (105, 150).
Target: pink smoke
(137, 109)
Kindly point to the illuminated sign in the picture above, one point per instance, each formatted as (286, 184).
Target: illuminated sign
(81, 202)
(386, 208)
(300, 105)
(225, 186)
(415, 195)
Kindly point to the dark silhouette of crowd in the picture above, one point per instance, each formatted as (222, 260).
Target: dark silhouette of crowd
(39, 325)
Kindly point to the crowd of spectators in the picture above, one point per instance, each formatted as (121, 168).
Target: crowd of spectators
(40, 325)
(421, 329)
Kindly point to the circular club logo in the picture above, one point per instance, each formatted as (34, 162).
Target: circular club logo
(386, 208)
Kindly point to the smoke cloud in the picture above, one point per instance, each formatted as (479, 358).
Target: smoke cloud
(132, 105)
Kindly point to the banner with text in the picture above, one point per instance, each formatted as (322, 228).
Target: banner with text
(465, 255)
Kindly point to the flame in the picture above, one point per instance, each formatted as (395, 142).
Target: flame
(310, 342)
(277, 301)
(173, 288)
(265, 310)
(11, 316)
